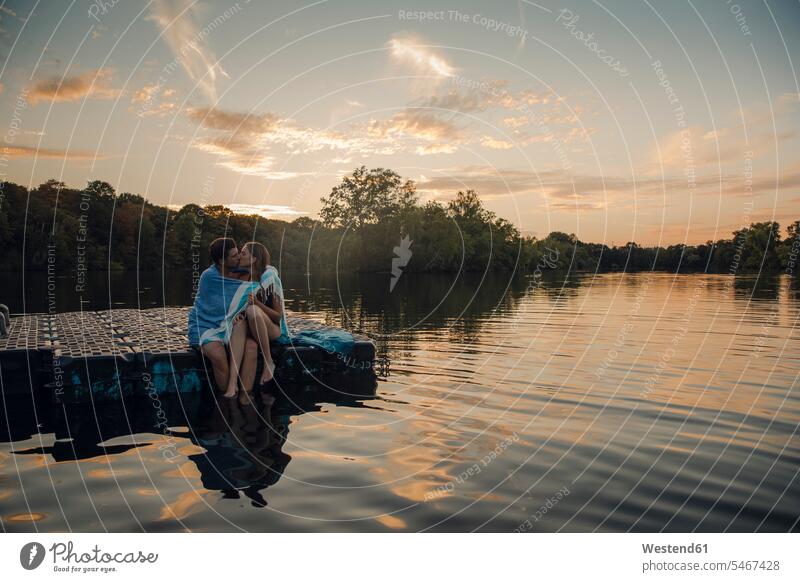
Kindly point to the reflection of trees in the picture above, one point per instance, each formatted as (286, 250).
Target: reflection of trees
(764, 286)
(454, 307)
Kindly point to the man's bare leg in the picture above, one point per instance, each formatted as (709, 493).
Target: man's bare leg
(216, 354)
(236, 347)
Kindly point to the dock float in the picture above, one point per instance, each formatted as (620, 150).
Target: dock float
(113, 354)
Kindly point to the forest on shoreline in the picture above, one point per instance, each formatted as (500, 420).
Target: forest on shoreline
(371, 222)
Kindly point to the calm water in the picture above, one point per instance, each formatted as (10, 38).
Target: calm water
(612, 402)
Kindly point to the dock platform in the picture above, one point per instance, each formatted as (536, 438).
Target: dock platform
(113, 354)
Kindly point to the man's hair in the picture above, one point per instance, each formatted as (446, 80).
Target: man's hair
(219, 248)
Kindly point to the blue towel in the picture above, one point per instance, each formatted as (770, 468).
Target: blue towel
(332, 340)
(335, 341)
(218, 301)
(271, 284)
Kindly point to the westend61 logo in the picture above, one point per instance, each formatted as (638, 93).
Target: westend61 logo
(66, 559)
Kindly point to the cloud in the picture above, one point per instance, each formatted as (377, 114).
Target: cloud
(249, 143)
(150, 92)
(89, 85)
(33, 152)
(496, 144)
(437, 148)
(700, 147)
(517, 122)
(409, 50)
(468, 96)
(789, 179)
(246, 141)
(415, 124)
(272, 211)
(177, 20)
(567, 190)
(564, 190)
(538, 116)
(236, 123)
(152, 101)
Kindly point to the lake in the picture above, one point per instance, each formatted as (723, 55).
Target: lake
(612, 402)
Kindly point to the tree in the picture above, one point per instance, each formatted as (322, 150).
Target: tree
(304, 223)
(759, 245)
(100, 189)
(467, 206)
(367, 197)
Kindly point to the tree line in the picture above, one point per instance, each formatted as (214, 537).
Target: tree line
(361, 227)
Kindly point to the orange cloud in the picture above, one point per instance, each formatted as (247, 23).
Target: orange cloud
(32, 152)
(89, 85)
(416, 124)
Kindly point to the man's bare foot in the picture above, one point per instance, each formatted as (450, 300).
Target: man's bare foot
(231, 392)
(266, 375)
(245, 398)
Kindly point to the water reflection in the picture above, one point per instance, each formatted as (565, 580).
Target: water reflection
(236, 448)
(242, 448)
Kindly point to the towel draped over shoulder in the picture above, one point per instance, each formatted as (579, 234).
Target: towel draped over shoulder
(218, 301)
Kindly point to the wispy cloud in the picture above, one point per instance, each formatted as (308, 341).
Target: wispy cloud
(496, 144)
(33, 152)
(153, 100)
(415, 124)
(274, 211)
(249, 143)
(178, 22)
(244, 140)
(89, 85)
(569, 191)
(150, 92)
(700, 147)
(410, 50)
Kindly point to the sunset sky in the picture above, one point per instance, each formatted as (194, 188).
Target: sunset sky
(659, 122)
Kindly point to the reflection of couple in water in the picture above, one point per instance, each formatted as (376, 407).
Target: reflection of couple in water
(238, 310)
(243, 449)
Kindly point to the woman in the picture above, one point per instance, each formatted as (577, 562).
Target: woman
(265, 316)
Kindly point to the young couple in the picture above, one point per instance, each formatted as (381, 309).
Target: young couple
(238, 309)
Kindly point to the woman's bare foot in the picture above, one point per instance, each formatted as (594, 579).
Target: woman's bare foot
(231, 391)
(266, 375)
(245, 398)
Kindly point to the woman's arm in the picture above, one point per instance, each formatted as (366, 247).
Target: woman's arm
(273, 313)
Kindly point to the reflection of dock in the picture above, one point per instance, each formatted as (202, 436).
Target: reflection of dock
(123, 352)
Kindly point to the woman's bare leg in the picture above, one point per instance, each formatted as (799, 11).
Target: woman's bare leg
(238, 339)
(263, 329)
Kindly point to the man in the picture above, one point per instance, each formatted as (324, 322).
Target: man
(208, 313)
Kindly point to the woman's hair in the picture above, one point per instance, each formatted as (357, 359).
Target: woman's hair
(261, 255)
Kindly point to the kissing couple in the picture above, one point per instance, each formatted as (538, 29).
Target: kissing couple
(238, 309)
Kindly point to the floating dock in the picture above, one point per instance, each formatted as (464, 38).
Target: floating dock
(110, 355)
